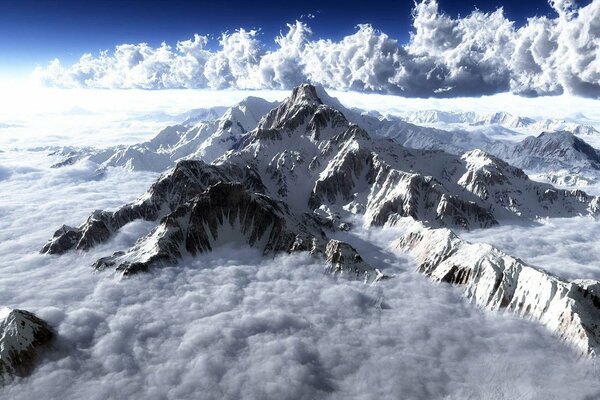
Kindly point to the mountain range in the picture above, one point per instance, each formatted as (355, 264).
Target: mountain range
(300, 175)
(288, 177)
(557, 154)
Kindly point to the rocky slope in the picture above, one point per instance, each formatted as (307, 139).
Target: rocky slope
(22, 337)
(557, 154)
(188, 179)
(497, 281)
(552, 150)
(228, 213)
(207, 134)
(550, 153)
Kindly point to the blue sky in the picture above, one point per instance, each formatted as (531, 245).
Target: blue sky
(34, 32)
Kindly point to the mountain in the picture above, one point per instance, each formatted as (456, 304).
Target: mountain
(228, 213)
(436, 116)
(468, 118)
(552, 150)
(295, 179)
(561, 157)
(562, 125)
(497, 281)
(205, 133)
(201, 115)
(22, 337)
(309, 156)
(503, 119)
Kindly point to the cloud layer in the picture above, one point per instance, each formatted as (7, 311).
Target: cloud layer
(482, 53)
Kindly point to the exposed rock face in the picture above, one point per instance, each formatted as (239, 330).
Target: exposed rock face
(556, 150)
(343, 259)
(228, 213)
(22, 336)
(507, 188)
(552, 153)
(186, 180)
(496, 281)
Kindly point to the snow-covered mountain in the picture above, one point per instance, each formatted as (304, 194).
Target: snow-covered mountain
(205, 133)
(504, 119)
(308, 155)
(555, 125)
(22, 336)
(497, 281)
(290, 183)
(551, 150)
(556, 155)
(227, 213)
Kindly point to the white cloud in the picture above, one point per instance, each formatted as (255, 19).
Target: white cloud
(366, 60)
(482, 53)
(235, 62)
(282, 69)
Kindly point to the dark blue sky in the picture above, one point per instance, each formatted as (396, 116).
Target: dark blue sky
(33, 32)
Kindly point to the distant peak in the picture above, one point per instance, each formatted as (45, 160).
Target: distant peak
(556, 134)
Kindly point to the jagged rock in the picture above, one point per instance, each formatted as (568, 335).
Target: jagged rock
(22, 337)
(496, 281)
(507, 188)
(228, 213)
(552, 151)
(188, 179)
(287, 183)
(343, 259)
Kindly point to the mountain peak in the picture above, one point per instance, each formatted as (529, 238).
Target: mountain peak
(304, 94)
(22, 335)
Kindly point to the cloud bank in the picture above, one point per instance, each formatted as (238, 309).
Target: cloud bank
(482, 53)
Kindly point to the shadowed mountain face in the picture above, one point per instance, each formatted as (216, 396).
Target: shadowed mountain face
(22, 337)
(556, 148)
(293, 180)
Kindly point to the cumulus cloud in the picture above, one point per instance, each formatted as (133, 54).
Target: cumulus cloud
(232, 324)
(482, 53)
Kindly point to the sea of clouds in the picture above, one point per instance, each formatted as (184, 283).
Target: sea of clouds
(232, 324)
(481, 53)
